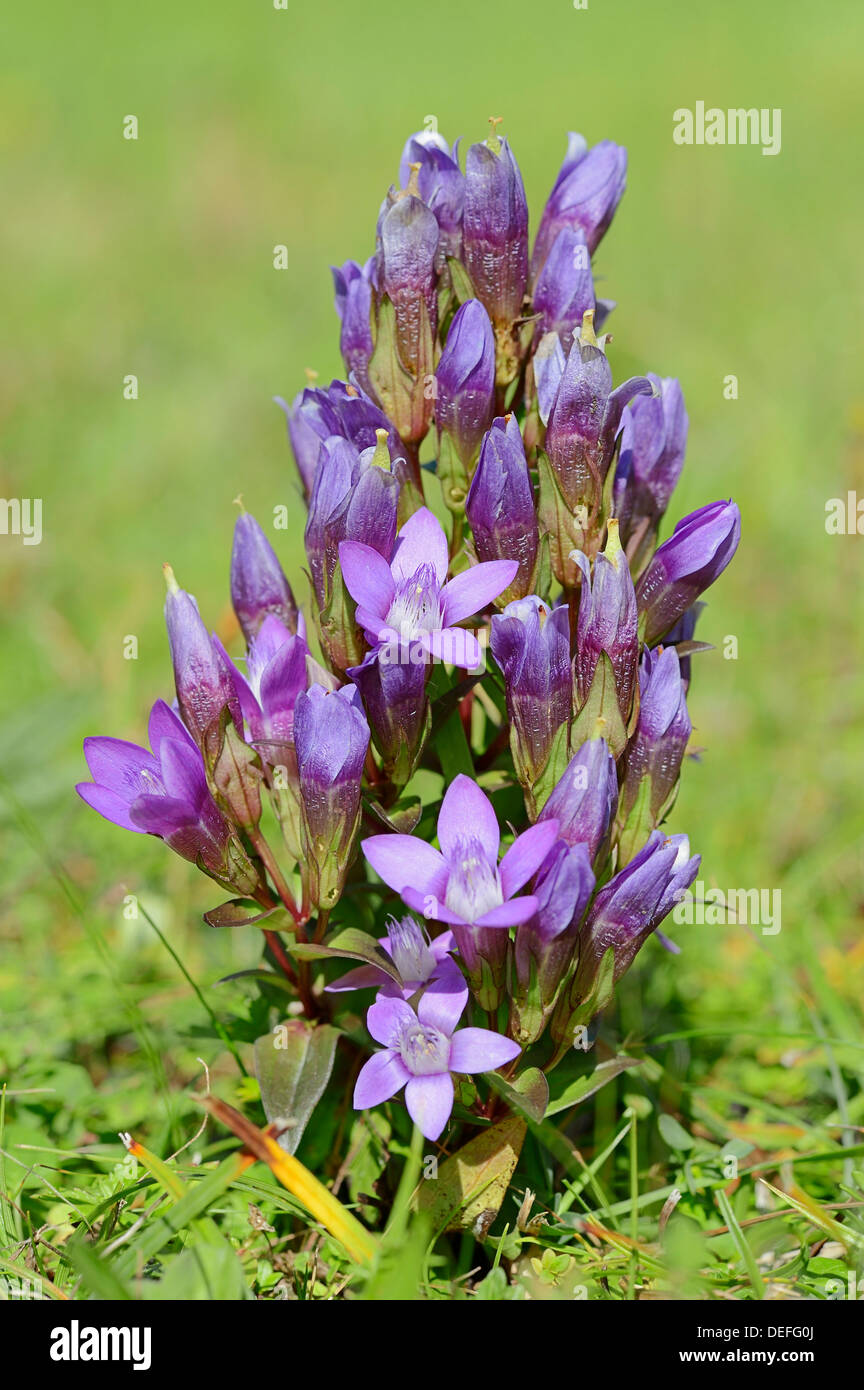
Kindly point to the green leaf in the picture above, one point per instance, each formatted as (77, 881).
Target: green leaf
(293, 1065)
(528, 1093)
(402, 817)
(452, 748)
(460, 280)
(471, 1185)
(349, 943)
(585, 1086)
(202, 1274)
(245, 912)
(675, 1135)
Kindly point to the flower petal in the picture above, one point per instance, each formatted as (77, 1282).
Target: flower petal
(123, 767)
(405, 861)
(113, 807)
(465, 812)
(471, 591)
(509, 914)
(479, 1049)
(430, 1101)
(452, 645)
(443, 1003)
(442, 945)
(421, 542)
(164, 723)
(367, 577)
(526, 854)
(430, 906)
(386, 1020)
(379, 1079)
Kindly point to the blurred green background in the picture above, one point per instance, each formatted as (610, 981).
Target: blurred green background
(154, 257)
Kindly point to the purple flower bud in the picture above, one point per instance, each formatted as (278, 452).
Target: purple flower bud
(258, 586)
(441, 185)
(565, 286)
(583, 424)
(696, 554)
(683, 631)
(585, 799)
(316, 414)
(394, 696)
(406, 272)
(545, 944)
(331, 737)
(352, 499)
(608, 622)
(531, 644)
(165, 793)
(653, 440)
(500, 504)
(657, 747)
(465, 380)
(632, 904)
(201, 678)
(275, 676)
(585, 195)
(495, 229)
(548, 363)
(353, 287)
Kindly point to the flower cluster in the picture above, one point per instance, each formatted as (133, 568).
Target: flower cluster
(477, 484)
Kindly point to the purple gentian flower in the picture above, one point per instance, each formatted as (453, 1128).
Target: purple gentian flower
(201, 673)
(657, 747)
(331, 738)
(495, 229)
(683, 631)
(411, 602)
(275, 676)
(421, 1050)
(653, 441)
(463, 884)
(531, 644)
(500, 505)
(441, 185)
(608, 622)
(422, 964)
(584, 421)
(353, 286)
(696, 554)
(406, 273)
(316, 414)
(632, 905)
(258, 586)
(352, 499)
(584, 801)
(163, 793)
(545, 944)
(587, 191)
(565, 286)
(394, 696)
(465, 380)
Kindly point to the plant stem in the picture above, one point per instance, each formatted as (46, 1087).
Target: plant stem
(268, 859)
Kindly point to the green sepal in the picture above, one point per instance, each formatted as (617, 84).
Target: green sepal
(602, 703)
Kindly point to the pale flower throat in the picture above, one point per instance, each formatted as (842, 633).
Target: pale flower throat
(474, 885)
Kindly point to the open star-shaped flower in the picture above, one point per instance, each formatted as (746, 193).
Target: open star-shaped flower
(411, 601)
(463, 883)
(420, 1052)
